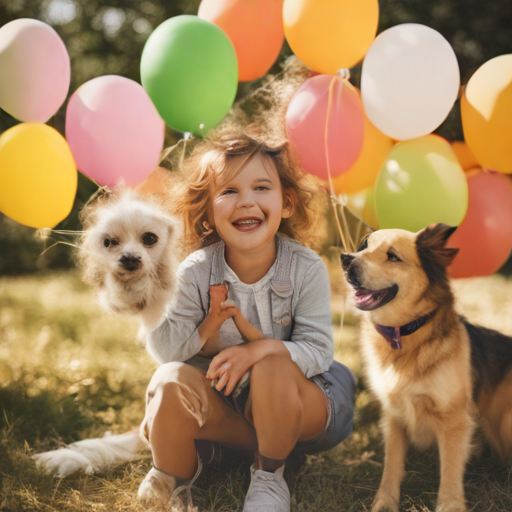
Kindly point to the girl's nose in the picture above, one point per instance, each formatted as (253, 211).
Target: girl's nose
(245, 199)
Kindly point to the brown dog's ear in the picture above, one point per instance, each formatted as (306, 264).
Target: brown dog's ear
(434, 256)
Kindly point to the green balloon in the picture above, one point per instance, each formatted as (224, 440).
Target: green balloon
(421, 183)
(190, 71)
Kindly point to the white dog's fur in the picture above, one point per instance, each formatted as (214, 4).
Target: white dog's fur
(128, 254)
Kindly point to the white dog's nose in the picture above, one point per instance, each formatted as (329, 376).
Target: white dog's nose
(130, 261)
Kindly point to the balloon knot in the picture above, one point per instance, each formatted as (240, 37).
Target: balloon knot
(344, 73)
(44, 233)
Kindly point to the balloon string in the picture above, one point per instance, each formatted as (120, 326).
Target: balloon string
(347, 246)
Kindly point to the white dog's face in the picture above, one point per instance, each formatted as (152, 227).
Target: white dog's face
(130, 238)
(128, 253)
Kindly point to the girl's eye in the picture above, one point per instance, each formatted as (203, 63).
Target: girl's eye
(261, 187)
(363, 246)
(149, 239)
(228, 191)
(393, 257)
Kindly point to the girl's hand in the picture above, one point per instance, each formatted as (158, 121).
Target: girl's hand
(232, 363)
(219, 313)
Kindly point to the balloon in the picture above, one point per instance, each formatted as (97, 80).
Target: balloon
(255, 29)
(189, 69)
(409, 81)
(486, 109)
(329, 35)
(35, 70)
(421, 183)
(363, 173)
(464, 155)
(485, 235)
(114, 130)
(306, 122)
(38, 177)
(363, 205)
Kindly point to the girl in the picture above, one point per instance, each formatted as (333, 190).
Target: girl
(248, 204)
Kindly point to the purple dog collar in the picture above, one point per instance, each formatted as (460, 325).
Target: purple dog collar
(393, 335)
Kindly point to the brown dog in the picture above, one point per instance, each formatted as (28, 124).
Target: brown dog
(435, 375)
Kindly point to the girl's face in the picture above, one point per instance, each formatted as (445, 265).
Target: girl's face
(247, 210)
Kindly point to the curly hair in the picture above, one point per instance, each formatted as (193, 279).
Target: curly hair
(221, 158)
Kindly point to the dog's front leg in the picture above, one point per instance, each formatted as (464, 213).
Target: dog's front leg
(395, 446)
(454, 440)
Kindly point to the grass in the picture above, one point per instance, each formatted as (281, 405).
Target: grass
(69, 372)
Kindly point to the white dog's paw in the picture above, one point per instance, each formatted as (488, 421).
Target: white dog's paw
(63, 462)
(384, 502)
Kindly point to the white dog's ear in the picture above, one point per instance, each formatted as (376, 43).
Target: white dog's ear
(434, 256)
(119, 188)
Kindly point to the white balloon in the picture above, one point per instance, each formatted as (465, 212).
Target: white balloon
(410, 81)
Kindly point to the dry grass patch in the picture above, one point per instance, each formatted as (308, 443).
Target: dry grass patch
(68, 372)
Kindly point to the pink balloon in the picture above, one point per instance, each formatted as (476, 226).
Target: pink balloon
(114, 130)
(485, 235)
(306, 119)
(34, 70)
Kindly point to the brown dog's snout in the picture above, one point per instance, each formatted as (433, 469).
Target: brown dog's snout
(130, 262)
(346, 260)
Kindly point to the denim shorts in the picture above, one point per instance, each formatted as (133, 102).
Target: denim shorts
(339, 387)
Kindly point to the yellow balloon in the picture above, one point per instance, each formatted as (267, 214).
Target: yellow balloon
(464, 155)
(375, 150)
(38, 176)
(329, 35)
(486, 109)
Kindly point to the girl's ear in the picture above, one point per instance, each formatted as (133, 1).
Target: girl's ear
(289, 202)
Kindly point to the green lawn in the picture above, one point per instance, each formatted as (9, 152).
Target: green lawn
(69, 371)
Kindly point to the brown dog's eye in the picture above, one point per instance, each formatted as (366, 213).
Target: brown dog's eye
(364, 245)
(149, 239)
(106, 242)
(393, 257)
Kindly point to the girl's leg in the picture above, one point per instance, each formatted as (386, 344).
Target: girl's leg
(181, 407)
(285, 406)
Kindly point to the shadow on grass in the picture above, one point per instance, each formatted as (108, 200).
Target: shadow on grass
(46, 415)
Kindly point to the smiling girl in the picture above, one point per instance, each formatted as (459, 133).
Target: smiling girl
(248, 208)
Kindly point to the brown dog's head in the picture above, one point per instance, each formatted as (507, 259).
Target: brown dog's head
(397, 274)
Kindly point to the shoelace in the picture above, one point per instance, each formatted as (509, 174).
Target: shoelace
(187, 487)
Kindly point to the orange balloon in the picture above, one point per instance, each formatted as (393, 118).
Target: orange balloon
(255, 28)
(485, 235)
(329, 35)
(465, 156)
(486, 109)
(363, 173)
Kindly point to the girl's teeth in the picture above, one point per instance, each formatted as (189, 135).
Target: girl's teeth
(247, 222)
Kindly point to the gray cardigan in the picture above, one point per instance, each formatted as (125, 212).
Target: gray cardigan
(299, 296)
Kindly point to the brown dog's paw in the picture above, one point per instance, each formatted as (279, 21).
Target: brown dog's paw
(452, 506)
(384, 502)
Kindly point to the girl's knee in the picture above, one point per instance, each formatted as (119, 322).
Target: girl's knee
(177, 390)
(272, 367)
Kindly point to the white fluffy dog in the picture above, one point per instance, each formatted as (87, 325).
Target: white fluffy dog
(128, 254)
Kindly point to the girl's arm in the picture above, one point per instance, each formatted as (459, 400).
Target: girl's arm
(178, 338)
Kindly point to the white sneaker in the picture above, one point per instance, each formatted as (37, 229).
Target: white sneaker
(267, 492)
(160, 490)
